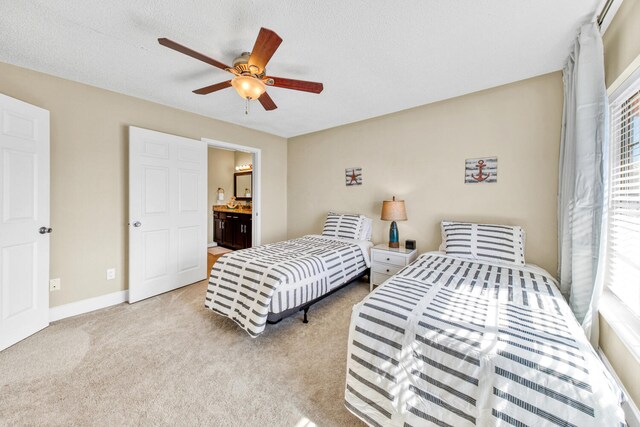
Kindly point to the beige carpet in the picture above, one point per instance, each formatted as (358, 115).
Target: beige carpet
(169, 361)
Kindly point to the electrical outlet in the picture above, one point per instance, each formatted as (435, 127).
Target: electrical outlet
(54, 285)
(111, 274)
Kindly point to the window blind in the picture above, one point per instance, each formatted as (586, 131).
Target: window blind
(623, 242)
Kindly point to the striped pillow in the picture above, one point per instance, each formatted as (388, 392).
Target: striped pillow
(345, 226)
(489, 242)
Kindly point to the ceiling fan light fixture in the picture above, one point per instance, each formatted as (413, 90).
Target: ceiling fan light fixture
(248, 87)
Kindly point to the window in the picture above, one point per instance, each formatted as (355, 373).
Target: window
(623, 244)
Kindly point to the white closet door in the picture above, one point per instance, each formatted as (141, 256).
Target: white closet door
(24, 220)
(167, 212)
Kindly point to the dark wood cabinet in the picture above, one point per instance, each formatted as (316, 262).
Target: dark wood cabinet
(228, 231)
(217, 229)
(238, 237)
(248, 242)
(232, 230)
(242, 232)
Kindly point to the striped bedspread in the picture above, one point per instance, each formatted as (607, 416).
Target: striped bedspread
(453, 342)
(249, 284)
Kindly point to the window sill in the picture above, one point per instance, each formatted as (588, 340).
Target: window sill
(621, 319)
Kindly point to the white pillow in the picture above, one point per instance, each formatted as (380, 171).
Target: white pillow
(490, 242)
(367, 228)
(343, 225)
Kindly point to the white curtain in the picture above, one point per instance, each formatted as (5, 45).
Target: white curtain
(581, 192)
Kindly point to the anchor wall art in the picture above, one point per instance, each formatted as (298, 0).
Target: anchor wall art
(482, 170)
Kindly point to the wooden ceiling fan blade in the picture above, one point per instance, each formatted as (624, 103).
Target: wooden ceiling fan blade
(192, 53)
(267, 102)
(302, 85)
(209, 89)
(264, 48)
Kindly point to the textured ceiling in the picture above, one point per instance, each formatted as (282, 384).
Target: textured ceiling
(374, 57)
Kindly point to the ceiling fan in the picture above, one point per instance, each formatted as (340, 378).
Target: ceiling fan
(251, 79)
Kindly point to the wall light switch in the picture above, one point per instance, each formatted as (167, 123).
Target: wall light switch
(54, 285)
(111, 274)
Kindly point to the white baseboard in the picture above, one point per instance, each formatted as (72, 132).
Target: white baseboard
(212, 245)
(631, 412)
(87, 305)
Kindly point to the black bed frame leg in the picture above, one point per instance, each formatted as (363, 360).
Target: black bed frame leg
(306, 309)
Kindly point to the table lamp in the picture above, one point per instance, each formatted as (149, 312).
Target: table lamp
(393, 210)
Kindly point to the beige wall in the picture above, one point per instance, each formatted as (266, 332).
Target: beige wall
(221, 169)
(243, 158)
(89, 173)
(418, 155)
(621, 47)
(622, 40)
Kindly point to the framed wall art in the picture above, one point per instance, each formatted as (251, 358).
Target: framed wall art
(353, 176)
(481, 170)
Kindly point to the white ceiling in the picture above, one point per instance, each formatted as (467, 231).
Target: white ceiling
(374, 57)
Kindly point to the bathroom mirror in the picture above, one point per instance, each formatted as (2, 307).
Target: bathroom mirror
(242, 185)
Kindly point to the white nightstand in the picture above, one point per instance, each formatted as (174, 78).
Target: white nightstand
(386, 261)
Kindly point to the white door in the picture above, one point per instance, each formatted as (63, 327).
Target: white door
(167, 212)
(24, 210)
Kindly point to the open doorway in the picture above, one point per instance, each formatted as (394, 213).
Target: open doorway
(232, 190)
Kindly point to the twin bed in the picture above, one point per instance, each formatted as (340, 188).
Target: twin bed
(266, 283)
(450, 341)
(470, 335)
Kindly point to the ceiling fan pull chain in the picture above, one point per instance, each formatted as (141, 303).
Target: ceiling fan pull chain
(246, 108)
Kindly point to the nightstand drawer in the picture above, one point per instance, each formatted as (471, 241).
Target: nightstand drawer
(386, 261)
(388, 258)
(386, 269)
(378, 278)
